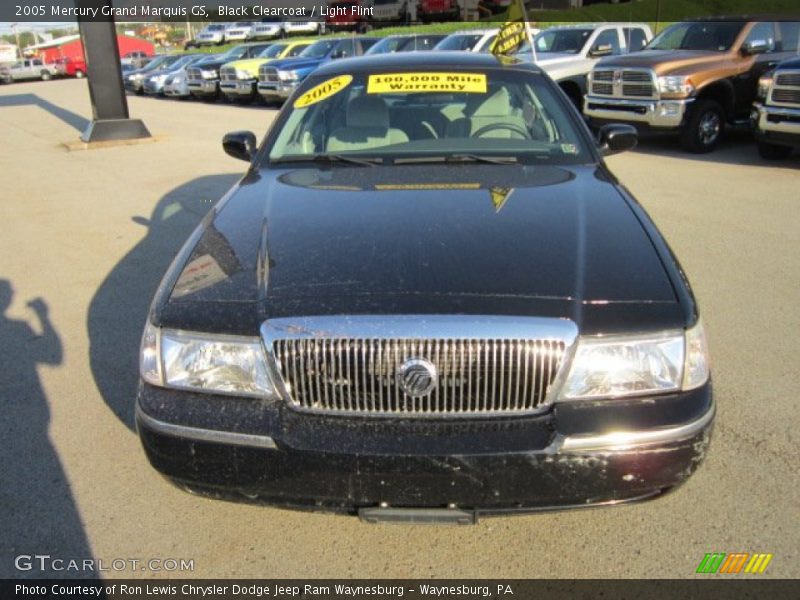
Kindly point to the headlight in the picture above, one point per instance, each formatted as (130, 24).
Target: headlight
(625, 366)
(620, 366)
(241, 74)
(675, 85)
(763, 86)
(208, 74)
(204, 362)
(288, 75)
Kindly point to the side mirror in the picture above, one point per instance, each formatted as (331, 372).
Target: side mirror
(616, 137)
(755, 47)
(240, 144)
(601, 50)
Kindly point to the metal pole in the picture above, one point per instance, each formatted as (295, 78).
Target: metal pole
(110, 118)
(15, 29)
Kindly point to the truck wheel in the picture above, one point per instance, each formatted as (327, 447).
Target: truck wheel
(773, 151)
(705, 126)
(78, 74)
(45, 75)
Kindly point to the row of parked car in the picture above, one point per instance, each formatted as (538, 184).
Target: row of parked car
(694, 79)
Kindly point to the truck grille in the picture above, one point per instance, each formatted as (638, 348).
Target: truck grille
(786, 88)
(266, 73)
(623, 83)
(475, 376)
(227, 74)
(194, 73)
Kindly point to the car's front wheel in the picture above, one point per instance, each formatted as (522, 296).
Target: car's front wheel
(773, 151)
(79, 74)
(45, 75)
(706, 124)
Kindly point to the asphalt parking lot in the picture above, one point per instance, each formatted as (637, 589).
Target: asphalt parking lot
(86, 236)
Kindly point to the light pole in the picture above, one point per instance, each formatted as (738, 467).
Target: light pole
(15, 30)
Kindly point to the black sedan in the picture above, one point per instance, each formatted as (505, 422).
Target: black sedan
(427, 299)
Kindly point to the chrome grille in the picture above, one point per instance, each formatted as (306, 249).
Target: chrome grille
(324, 369)
(788, 79)
(786, 88)
(266, 73)
(227, 74)
(605, 89)
(194, 73)
(623, 83)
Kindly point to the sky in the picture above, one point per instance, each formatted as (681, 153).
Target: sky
(5, 26)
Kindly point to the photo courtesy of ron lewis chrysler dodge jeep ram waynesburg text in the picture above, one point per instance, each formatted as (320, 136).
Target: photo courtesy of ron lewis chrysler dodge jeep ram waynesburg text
(427, 299)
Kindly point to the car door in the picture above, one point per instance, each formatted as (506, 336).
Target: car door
(746, 83)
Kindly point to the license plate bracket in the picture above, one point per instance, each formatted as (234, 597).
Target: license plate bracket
(430, 516)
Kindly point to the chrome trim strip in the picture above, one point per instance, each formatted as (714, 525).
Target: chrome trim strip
(628, 440)
(204, 435)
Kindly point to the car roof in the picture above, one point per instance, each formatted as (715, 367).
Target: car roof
(476, 31)
(422, 61)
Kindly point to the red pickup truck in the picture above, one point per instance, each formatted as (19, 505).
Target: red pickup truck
(71, 67)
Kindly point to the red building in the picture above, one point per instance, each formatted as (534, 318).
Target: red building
(71, 46)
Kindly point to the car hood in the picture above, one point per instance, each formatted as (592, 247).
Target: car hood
(247, 64)
(297, 63)
(537, 240)
(665, 61)
(792, 63)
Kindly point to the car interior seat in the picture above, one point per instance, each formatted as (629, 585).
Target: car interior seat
(366, 126)
(482, 111)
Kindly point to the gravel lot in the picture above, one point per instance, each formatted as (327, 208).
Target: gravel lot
(91, 233)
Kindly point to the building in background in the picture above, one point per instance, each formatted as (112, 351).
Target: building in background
(71, 46)
(8, 53)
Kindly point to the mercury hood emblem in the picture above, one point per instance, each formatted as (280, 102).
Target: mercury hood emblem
(417, 377)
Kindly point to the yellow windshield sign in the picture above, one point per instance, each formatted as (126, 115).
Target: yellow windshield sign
(473, 83)
(324, 90)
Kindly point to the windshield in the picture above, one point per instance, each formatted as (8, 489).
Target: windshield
(389, 44)
(215, 28)
(155, 62)
(567, 41)
(459, 42)
(318, 49)
(272, 51)
(711, 36)
(234, 53)
(433, 115)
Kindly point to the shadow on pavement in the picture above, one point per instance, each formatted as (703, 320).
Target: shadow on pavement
(735, 148)
(38, 515)
(119, 308)
(70, 118)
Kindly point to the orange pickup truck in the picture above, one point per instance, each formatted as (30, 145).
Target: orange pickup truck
(695, 78)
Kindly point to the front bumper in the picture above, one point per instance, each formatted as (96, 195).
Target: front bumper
(133, 85)
(778, 125)
(203, 87)
(272, 91)
(153, 89)
(177, 90)
(655, 114)
(578, 454)
(241, 88)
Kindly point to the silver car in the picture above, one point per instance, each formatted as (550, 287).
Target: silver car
(154, 84)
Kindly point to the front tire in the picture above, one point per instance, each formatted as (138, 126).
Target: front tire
(78, 74)
(46, 76)
(769, 151)
(704, 128)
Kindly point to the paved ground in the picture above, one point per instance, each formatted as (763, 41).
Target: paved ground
(90, 234)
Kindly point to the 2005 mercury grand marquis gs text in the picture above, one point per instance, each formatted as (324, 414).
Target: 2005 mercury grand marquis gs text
(427, 299)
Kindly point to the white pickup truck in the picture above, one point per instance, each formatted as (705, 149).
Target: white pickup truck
(567, 53)
(29, 68)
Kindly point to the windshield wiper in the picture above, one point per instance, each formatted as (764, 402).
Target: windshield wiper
(459, 158)
(330, 159)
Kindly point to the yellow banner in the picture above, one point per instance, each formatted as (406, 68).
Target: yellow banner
(324, 90)
(513, 33)
(474, 83)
